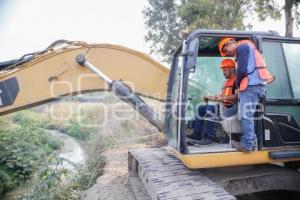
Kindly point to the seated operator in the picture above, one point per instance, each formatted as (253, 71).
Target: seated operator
(228, 99)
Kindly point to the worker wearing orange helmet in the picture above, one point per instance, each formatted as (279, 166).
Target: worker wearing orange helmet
(252, 77)
(228, 98)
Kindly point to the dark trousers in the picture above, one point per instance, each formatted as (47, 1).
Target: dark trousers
(207, 111)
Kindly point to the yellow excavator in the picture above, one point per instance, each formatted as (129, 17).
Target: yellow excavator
(182, 169)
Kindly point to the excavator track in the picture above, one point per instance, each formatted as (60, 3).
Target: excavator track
(164, 177)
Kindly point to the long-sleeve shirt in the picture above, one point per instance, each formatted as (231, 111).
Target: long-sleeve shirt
(242, 58)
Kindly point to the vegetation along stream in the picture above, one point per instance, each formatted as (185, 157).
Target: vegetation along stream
(42, 158)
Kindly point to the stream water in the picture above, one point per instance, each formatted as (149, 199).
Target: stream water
(71, 151)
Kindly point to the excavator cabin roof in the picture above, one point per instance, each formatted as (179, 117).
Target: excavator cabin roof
(198, 32)
(209, 39)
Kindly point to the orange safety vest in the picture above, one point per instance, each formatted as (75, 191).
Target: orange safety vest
(228, 89)
(260, 64)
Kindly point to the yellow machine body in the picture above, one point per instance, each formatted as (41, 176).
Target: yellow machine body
(55, 74)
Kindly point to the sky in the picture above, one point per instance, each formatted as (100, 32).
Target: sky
(30, 25)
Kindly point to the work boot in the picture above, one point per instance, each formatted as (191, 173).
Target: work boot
(239, 147)
(204, 141)
(255, 147)
(194, 136)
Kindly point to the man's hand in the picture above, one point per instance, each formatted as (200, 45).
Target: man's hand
(214, 98)
(219, 98)
(207, 98)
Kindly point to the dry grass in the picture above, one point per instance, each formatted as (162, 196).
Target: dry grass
(111, 120)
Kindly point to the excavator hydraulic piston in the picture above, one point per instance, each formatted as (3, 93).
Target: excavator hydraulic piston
(122, 91)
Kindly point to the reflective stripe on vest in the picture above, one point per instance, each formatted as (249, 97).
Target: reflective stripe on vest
(260, 65)
(228, 89)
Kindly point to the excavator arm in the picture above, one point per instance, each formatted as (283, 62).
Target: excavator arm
(54, 73)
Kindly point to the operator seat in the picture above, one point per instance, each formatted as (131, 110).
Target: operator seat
(231, 124)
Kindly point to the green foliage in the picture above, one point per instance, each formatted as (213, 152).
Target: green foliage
(87, 175)
(267, 8)
(7, 180)
(23, 147)
(52, 125)
(77, 130)
(163, 25)
(74, 130)
(52, 183)
(166, 19)
(213, 14)
(57, 183)
(274, 9)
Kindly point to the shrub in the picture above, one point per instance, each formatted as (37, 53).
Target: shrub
(7, 180)
(74, 130)
(57, 183)
(22, 148)
(52, 183)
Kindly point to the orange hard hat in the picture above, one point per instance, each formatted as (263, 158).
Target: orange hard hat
(222, 43)
(227, 63)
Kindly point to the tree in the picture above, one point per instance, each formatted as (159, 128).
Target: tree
(290, 9)
(213, 14)
(290, 15)
(166, 18)
(163, 26)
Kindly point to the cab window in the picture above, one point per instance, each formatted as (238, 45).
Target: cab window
(274, 57)
(292, 53)
(207, 77)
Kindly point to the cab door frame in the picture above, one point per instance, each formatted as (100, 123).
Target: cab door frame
(271, 119)
(182, 139)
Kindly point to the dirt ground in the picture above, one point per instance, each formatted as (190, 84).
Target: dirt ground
(113, 184)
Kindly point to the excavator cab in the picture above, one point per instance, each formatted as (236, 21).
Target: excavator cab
(195, 73)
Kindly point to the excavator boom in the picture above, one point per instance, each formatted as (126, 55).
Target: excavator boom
(54, 73)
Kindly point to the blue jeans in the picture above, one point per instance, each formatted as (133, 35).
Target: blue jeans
(210, 111)
(207, 111)
(229, 111)
(249, 100)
